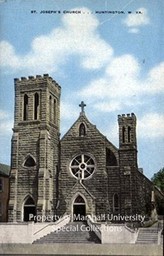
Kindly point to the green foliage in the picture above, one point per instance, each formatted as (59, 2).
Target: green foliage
(149, 223)
(158, 179)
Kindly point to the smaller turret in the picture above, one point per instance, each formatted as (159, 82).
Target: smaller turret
(127, 131)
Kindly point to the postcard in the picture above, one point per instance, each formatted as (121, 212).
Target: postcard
(81, 127)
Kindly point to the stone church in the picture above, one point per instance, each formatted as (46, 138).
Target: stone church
(82, 173)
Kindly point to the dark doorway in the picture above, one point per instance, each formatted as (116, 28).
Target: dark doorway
(29, 210)
(79, 209)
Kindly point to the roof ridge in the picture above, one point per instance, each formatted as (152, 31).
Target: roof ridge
(4, 169)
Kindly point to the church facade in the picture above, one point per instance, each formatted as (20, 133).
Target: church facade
(82, 173)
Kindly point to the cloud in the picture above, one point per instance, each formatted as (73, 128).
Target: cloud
(135, 20)
(6, 127)
(134, 30)
(77, 35)
(119, 80)
(3, 114)
(68, 111)
(122, 67)
(6, 123)
(8, 57)
(151, 125)
(155, 80)
(121, 85)
(107, 106)
(112, 132)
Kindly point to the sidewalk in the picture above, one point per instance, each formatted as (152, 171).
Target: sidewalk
(82, 249)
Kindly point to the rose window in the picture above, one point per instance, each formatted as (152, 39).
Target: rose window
(82, 166)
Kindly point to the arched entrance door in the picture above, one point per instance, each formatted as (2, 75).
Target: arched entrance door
(29, 208)
(79, 209)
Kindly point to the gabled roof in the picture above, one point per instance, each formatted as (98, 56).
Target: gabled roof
(82, 118)
(4, 169)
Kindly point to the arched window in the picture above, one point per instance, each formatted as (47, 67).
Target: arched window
(29, 201)
(50, 108)
(25, 107)
(1, 185)
(54, 111)
(115, 203)
(79, 200)
(129, 134)
(36, 106)
(110, 158)
(123, 134)
(29, 162)
(82, 130)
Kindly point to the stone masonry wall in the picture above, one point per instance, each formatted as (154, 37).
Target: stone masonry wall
(38, 138)
(92, 143)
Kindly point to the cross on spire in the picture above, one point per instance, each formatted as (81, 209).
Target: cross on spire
(82, 105)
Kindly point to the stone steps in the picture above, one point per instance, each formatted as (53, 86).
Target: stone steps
(147, 236)
(75, 232)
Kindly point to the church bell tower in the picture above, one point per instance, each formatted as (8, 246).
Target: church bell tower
(35, 145)
(127, 161)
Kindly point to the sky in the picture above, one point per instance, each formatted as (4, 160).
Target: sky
(107, 53)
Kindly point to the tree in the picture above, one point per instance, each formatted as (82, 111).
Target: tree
(158, 179)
